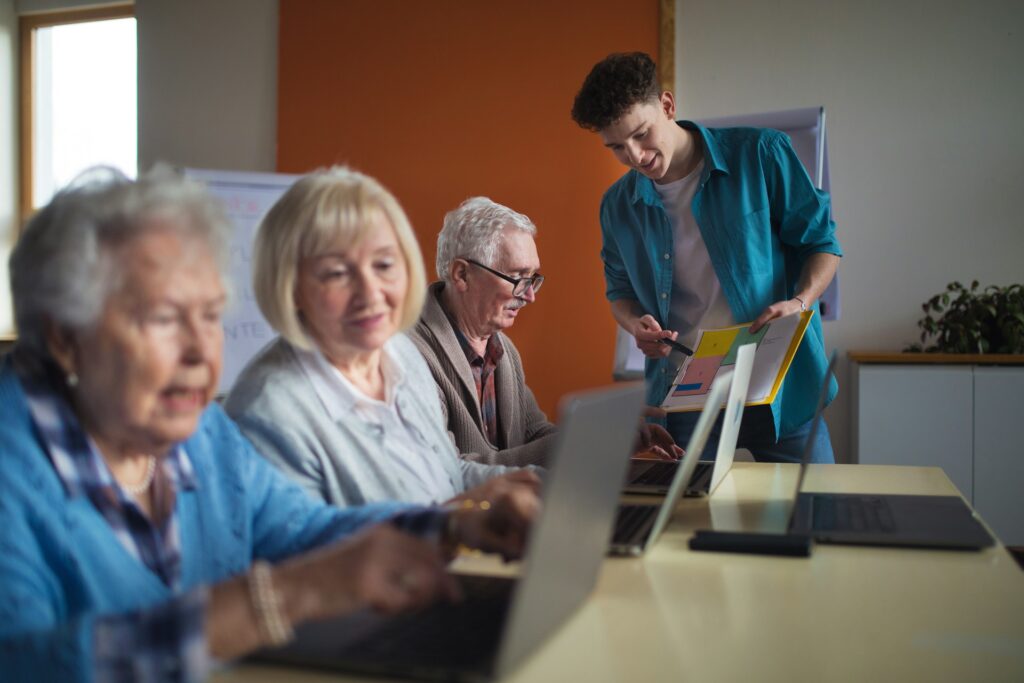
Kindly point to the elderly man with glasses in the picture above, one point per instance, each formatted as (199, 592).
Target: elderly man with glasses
(489, 270)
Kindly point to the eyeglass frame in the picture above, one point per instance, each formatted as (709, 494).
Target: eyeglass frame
(535, 281)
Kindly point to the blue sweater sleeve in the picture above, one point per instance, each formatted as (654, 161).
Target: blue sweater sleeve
(165, 642)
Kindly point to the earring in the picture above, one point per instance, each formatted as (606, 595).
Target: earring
(72, 380)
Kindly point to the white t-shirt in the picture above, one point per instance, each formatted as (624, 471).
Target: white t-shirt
(423, 478)
(697, 299)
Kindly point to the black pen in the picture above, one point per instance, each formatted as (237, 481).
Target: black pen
(677, 346)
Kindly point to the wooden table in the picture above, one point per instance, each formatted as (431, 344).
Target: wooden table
(845, 614)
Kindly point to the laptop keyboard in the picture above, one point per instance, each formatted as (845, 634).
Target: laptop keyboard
(632, 523)
(660, 474)
(869, 515)
(446, 634)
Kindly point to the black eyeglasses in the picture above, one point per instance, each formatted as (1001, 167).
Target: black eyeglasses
(519, 284)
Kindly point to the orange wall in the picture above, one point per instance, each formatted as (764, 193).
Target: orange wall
(444, 100)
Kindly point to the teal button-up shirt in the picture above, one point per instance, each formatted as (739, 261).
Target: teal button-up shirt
(760, 217)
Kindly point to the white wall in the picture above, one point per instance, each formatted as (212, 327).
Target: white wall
(208, 83)
(207, 92)
(8, 153)
(924, 103)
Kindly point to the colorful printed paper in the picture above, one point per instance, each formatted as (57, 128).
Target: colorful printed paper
(715, 350)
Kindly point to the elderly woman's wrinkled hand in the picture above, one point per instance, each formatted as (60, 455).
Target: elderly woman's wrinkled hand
(381, 568)
(499, 525)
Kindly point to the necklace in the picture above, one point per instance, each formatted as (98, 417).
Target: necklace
(147, 479)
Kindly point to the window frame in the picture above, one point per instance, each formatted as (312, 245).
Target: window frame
(27, 26)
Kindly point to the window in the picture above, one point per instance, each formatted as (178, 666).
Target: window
(78, 97)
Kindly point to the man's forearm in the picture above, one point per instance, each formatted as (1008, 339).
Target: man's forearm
(817, 273)
(626, 313)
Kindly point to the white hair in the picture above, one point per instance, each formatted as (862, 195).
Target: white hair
(473, 231)
(63, 267)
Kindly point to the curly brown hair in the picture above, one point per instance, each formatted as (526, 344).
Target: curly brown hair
(615, 84)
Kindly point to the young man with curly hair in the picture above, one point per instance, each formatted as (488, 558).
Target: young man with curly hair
(709, 228)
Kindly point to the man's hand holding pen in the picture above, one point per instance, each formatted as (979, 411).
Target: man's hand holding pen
(656, 342)
(649, 336)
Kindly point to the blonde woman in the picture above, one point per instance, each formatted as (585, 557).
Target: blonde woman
(343, 402)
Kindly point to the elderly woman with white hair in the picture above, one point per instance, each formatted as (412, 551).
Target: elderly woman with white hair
(140, 532)
(342, 401)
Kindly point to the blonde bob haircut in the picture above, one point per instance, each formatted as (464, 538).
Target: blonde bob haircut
(321, 210)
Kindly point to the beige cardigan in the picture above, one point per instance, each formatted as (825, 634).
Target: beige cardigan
(527, 432)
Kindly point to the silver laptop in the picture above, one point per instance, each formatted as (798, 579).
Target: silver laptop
(501, 621)
(943, 522)
(733, 414)
(637, 527)
(655, 478)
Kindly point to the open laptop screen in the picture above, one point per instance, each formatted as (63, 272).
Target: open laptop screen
(819, 415)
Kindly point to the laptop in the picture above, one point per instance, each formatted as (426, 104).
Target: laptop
(655, 478)
(502, 620)
(942, 522)
(637, 527)
(733, 415)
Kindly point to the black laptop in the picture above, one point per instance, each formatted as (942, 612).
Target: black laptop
(501, 620)
(944, 522)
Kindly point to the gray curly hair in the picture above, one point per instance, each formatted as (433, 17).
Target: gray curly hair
(473, 230)
(62, 269)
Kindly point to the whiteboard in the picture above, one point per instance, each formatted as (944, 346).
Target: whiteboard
(806, 128)
(246, 198)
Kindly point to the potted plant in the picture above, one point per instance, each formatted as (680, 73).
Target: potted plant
(962, 320)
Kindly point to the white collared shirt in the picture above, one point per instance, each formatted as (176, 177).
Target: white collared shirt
(407, 452)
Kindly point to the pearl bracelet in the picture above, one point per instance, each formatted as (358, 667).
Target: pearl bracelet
(266, 603)
(803, 306)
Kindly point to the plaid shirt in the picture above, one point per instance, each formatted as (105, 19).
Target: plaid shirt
(83, 471)
(483, 368)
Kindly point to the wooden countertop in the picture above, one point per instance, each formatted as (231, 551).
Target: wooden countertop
(897, 358)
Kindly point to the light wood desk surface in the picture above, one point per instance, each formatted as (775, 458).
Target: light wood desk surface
(845, 614)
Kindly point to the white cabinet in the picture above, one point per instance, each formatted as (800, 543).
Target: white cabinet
(999, 450)
(967, 419)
